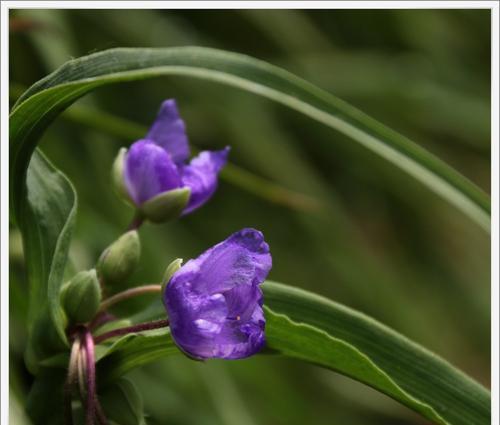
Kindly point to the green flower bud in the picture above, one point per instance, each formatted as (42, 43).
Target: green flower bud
(81, 297)
(120, 259)
(166, 206)
(169, 272)
(117, 176)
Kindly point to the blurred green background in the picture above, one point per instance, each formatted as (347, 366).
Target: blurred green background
(340, 221)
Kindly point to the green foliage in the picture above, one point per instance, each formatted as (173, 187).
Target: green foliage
(46, 397)
(305, 326)
(46, 222)
(122, 403)
(310, 327)
(58, 90)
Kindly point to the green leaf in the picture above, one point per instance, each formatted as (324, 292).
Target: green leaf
(313, 328)
(42, 103)
(309, 327)
(132, 351)
(44, 404)
(122, 403)
(46, 222)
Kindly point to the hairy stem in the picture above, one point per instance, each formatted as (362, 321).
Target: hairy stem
(131, 329)
(129, 293)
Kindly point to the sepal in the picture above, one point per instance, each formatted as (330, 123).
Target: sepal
(166, 206)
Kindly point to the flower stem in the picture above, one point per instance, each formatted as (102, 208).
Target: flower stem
(70, 380)
(129, 293)
(131, 329)
(100, 319)
(90, 409)
(136, 222)
(101, 418)
(82, 372)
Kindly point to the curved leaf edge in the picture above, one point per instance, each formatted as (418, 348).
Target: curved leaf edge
(394, 390)
(368, 319)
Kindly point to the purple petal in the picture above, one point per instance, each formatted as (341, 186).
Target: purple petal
(201, 176)
(241, 339)
(214, 302)
(241, 301)
(243, 258)
(196, 319)
(169, 132)
(149, 171)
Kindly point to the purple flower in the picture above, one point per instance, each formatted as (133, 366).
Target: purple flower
(214, 302)
(158, 163)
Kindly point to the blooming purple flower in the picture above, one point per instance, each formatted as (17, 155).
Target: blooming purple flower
(214, 302)
(157, 163)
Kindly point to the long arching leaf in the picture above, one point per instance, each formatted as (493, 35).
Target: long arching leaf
(46, 99)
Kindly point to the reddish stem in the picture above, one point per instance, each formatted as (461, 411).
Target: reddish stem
(136, 222)
(70, 380)
(91, 381)
(101, 417)
(153, 288)
(101, 318)
(131, 329)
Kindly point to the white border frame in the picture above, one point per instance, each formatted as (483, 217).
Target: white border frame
(228, 4)
(4, 152)
(495, 253)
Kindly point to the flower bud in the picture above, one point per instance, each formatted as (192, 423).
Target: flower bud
(166, 206)
(81, 296)
(120, 259)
